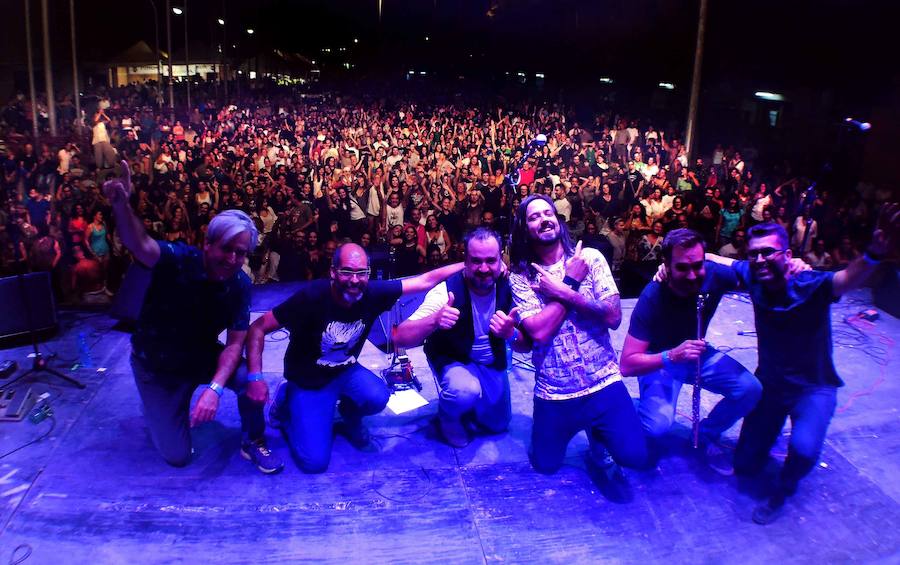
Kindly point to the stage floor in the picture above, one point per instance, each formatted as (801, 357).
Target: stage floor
(94, 490)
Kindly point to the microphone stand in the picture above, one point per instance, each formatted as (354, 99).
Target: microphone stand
(511, 181)
(806, 209)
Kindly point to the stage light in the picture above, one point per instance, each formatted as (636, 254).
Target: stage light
(355, 40)
(762, 94)
(221, 21)
(861, 126)
(250, 31)
(667, 85)
(606, 80)
(427, 38)
(177, 11)
(538, 75)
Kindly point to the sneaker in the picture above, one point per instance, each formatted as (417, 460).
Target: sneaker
(609, 478)
(719, 459)
(770, 510)
(257, 452)
(357, 434)
(273, 410)
(454, 432)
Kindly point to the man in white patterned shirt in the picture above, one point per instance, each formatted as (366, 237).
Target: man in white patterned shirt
(568, 301)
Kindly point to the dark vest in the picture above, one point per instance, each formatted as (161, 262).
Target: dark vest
(444, 347)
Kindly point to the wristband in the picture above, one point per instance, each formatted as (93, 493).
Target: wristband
(872, 259)
(216, 388)
(253, 377)
(666, 360)
(514, 336)
(572, 283)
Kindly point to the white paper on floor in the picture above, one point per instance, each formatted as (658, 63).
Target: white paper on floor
(406, 400)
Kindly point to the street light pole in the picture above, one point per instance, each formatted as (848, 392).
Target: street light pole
(75, 90)
(695, 84)
(187, 60)
(169, 58)
(48, 68)
(32, 93)
(156, 31)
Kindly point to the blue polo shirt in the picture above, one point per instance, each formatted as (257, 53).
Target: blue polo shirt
(184, 312)
(793, 328)
(664, 319)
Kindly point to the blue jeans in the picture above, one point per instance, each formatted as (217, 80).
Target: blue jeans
(810, 410)
(474, 388)
(607, 416)
(308, 414)
(719, 373)
(166, 402)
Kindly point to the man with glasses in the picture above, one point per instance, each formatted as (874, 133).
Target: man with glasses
(328, 320)
(793, 325)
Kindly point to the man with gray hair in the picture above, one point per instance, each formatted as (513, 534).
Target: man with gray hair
(193, 295)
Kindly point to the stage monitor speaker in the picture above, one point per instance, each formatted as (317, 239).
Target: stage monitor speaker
(127, 305)
(400, 312)
(29, 298)
(886, 289)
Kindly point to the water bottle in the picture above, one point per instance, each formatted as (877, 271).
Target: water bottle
(85, 360)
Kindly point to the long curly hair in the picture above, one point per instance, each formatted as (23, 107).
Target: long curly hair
(521, 250)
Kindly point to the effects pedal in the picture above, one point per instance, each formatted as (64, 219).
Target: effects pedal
(15, 404)
(7, 368)
(400, 375)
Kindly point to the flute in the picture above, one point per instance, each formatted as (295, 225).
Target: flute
(695, 399)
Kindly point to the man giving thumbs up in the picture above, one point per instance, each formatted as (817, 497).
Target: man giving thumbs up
(467, 322)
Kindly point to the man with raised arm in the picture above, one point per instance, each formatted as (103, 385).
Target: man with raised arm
(193, 295)
(467, 322)
(796, 369)
(568, 302)
(328, 320)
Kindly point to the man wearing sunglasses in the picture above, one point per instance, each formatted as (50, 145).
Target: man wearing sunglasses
(796, 369)
(328, 320)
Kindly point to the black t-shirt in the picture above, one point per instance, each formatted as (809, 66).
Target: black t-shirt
(793, 329)
(665, 319)
(326, 337)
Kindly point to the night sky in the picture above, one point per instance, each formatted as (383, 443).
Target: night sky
(844, 45)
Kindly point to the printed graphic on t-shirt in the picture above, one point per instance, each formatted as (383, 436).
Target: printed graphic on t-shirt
(337, 341)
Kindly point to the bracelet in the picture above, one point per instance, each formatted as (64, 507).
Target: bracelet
(514, 336)
(216, 388)
(253, 377)
(873, 256)
(872, 259)
(572, 283)
(666, 360)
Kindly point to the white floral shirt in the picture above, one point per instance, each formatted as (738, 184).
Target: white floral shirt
(580, 359)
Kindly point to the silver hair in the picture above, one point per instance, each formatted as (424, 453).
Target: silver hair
(229, 224)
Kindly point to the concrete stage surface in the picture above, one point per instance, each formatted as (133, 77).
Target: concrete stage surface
(94, 490)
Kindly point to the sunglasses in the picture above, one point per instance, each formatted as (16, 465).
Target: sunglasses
(765, 253)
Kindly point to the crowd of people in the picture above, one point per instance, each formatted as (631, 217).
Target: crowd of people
(366, 202)
(404, 180)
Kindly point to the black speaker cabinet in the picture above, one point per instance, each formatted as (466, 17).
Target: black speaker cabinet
(26, 303)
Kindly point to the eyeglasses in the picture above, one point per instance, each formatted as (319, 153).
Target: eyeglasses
(348, 273)
(765, 253)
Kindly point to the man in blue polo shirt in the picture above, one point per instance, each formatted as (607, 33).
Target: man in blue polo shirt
(193, 296)
(793, 325)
